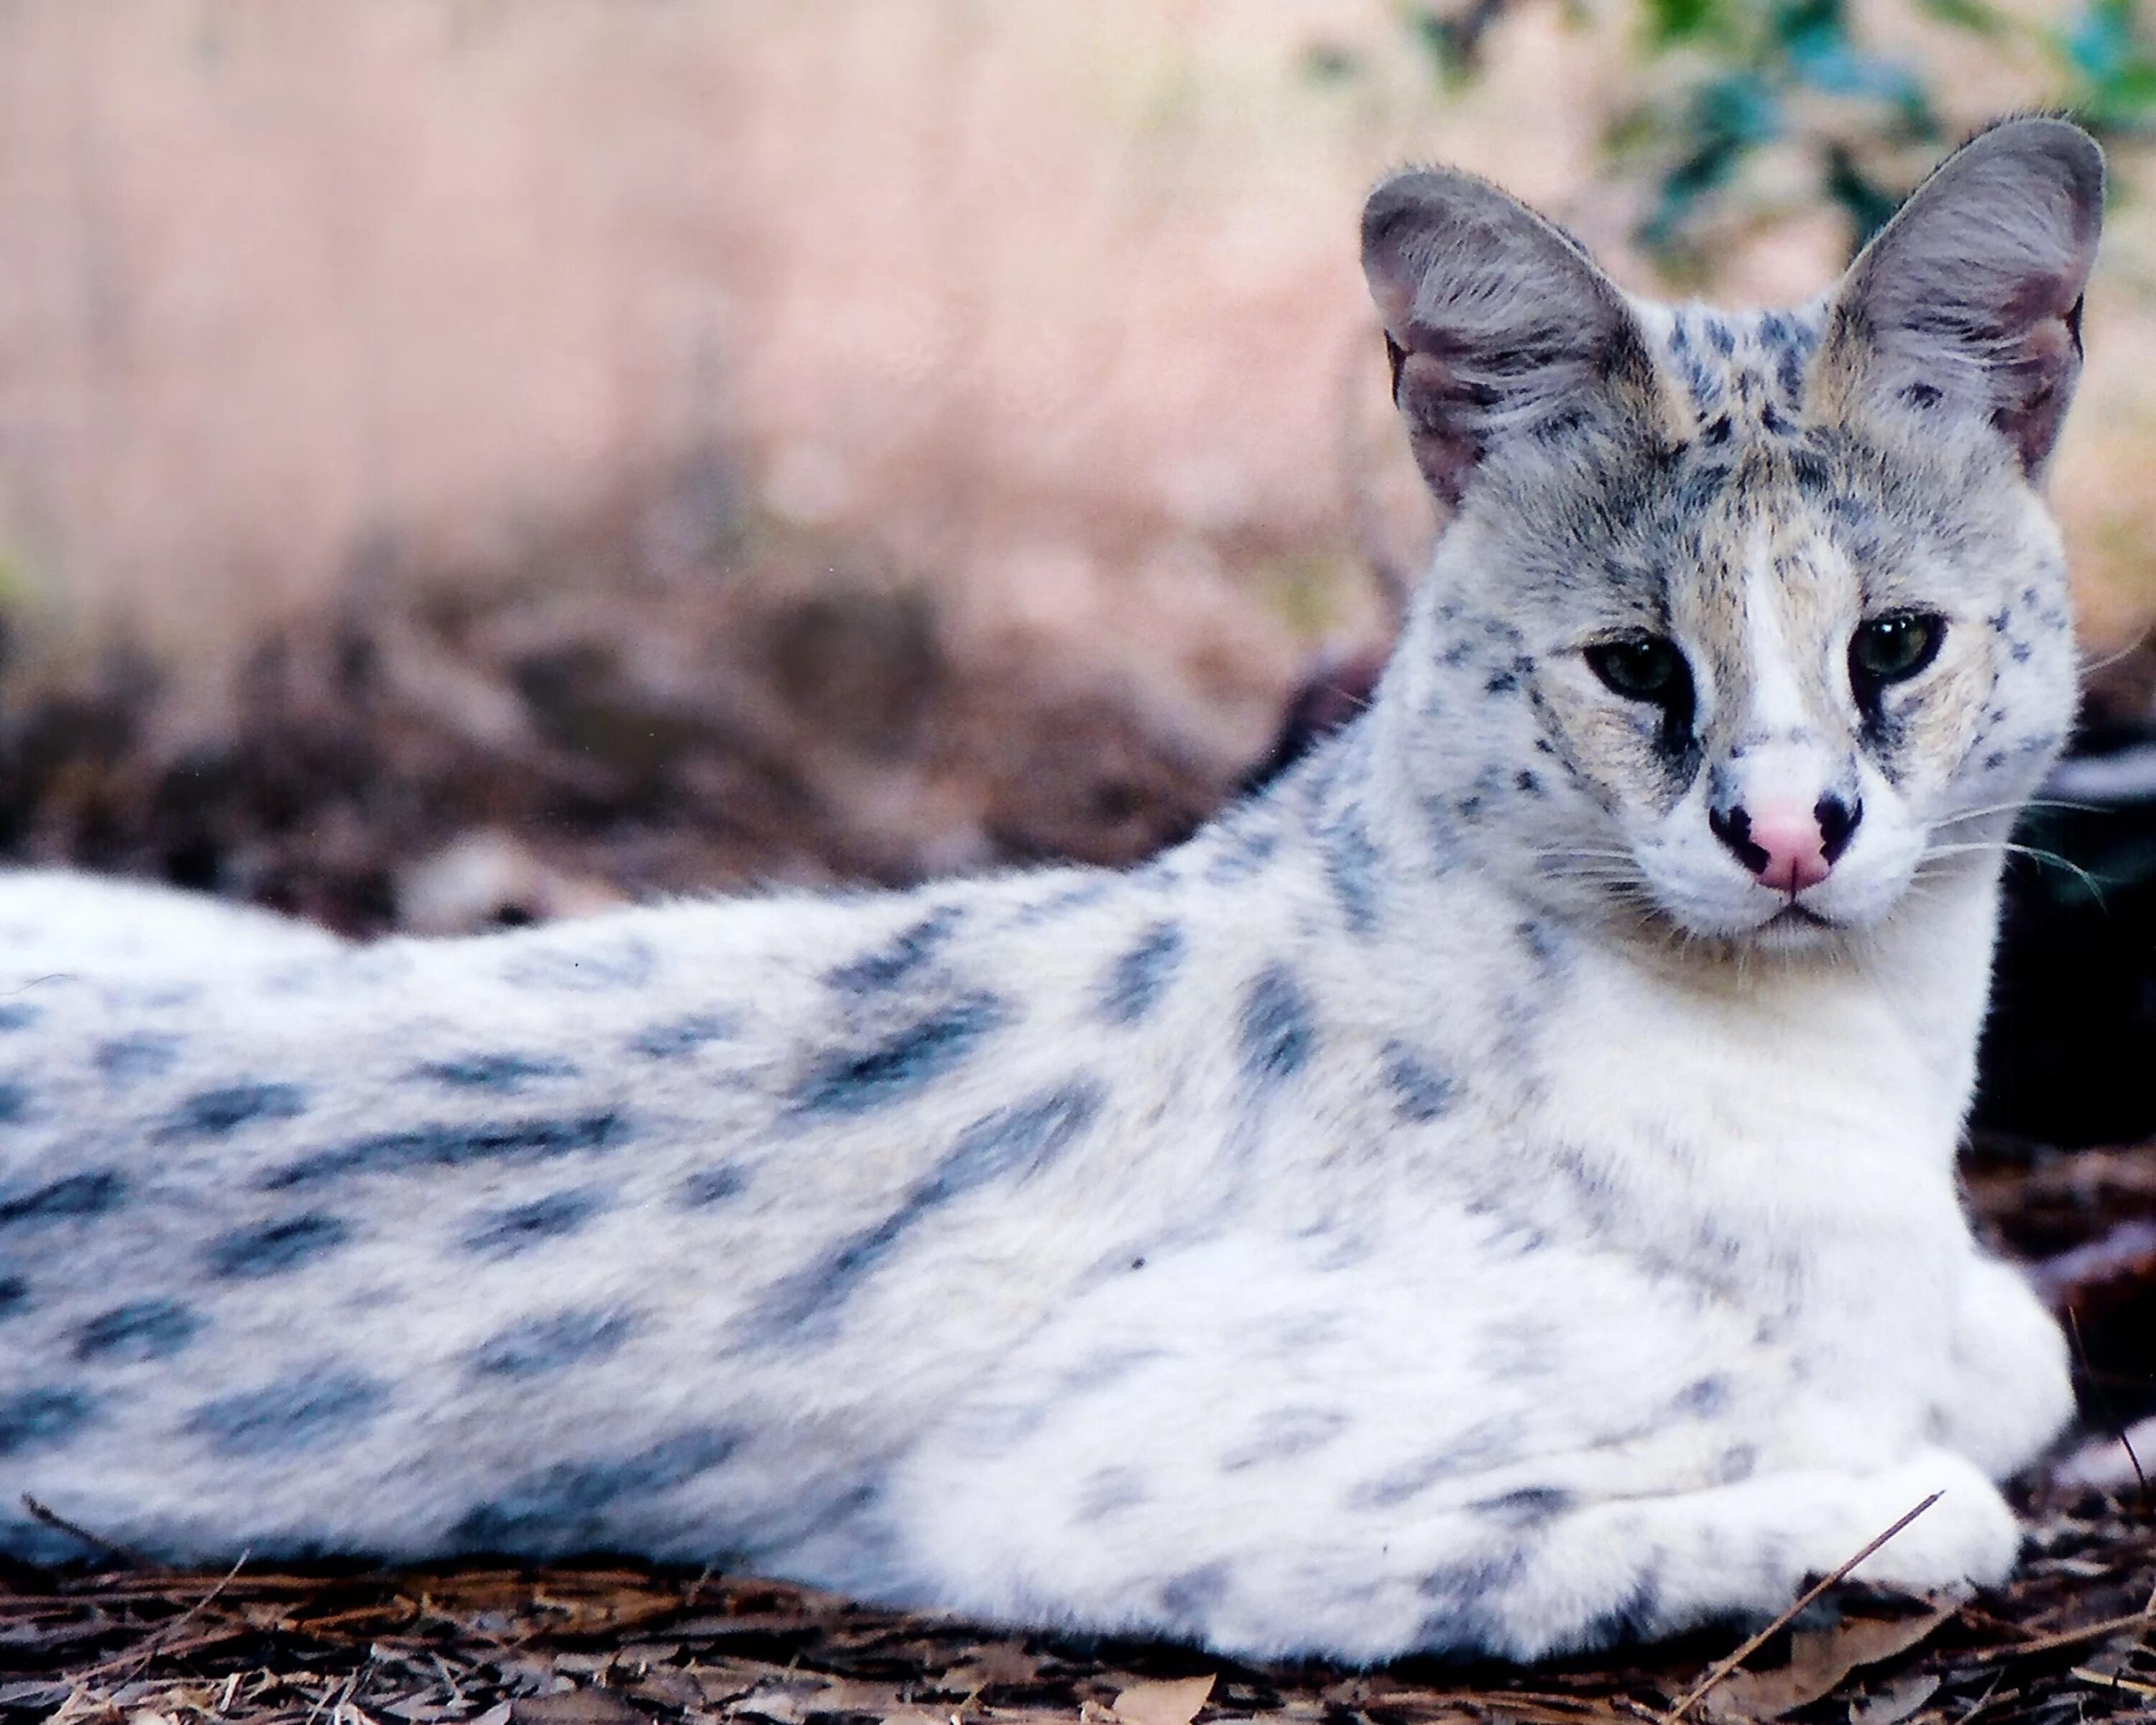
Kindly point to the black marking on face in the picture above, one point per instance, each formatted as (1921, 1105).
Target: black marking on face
(250, 1253)
(901, 958)
(495, 1072)
(1140, 977)
(712, 1185)
(664, 1042)
(1277, 1027)
(1284, 1433)
(431, 1147)
(70, 1196)
(318, 1405)
(213, 1113)
(856, 1081)
(1421, 1092)
(36, 1418)
(568, 1507)
(540, 1345)
(505, 1233)
(143, 1330)
(132, 1057)
(1014, 1144)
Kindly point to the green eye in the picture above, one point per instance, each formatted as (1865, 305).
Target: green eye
(1642, 667)
(1894, 648)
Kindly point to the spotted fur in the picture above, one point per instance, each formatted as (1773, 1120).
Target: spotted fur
(1455, 1202)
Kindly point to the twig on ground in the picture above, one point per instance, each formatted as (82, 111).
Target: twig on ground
(97, 1542)
(1720, 1672)
(163, 1636)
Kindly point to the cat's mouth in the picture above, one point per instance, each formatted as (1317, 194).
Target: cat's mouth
(1793, 914)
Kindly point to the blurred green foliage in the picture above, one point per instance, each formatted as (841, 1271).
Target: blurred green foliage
(1732, 80)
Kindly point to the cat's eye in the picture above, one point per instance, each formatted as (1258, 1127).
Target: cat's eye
(1894, 648)
(1642, 667)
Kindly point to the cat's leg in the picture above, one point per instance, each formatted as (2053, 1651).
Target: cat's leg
(2009, 1393)
(1653, 1566)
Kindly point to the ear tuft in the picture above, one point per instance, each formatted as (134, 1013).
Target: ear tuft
(1497, 323)
(1969, 300)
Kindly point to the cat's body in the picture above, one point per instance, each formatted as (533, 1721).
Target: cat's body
(1493, 1191)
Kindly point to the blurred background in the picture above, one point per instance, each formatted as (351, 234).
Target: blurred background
(463, 460)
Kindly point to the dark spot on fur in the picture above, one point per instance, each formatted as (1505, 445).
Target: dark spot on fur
(856, 1081)
(14, 1296)
(1246, 844)
(494, 1071)
(212, 1113)
(247, 1253)
(896, 962)
(1707, 1398)
(33, 1418)
(1351, 871)
(1137, 980)
(1275, 1029)
(1421, 1092)
(130, 1057)
(430, 1147)
(18, 1015)
(1528, 1507)
(1013, 1143)
(295, 1412)
(567, 1508)
(712, 1185)
(1189, 1599)
(546, 1344)
(663, 1042)
(1110, 1491)
(14, 1103)
(1921, 395)
(71, 1195)
(1503, 682)
(1284, 1433)
(508, 1232)
(146, 1330)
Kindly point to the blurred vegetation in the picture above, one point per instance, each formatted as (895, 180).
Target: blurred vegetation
(1732, 81)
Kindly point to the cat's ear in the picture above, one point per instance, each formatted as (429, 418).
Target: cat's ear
(1498, 325)
(1969, 301)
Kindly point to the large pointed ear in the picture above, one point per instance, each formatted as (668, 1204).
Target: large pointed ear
(1969, 301)
(1498, 325)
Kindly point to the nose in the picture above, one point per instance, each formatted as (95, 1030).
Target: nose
(1786, 848)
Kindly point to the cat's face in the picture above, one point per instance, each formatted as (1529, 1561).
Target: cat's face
(1791, 673)
(1747, 626)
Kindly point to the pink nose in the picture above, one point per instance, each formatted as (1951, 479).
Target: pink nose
(1789, 848)
(1795, 853)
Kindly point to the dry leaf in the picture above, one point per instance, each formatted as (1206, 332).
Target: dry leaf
(1819, 1659)
(1892, 1702)
(574, 1707)
(1172, 1703)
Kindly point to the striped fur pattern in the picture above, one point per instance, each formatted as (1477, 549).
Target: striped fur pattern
(1455, 1202)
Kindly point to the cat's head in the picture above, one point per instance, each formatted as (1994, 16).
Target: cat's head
(1746, 622)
